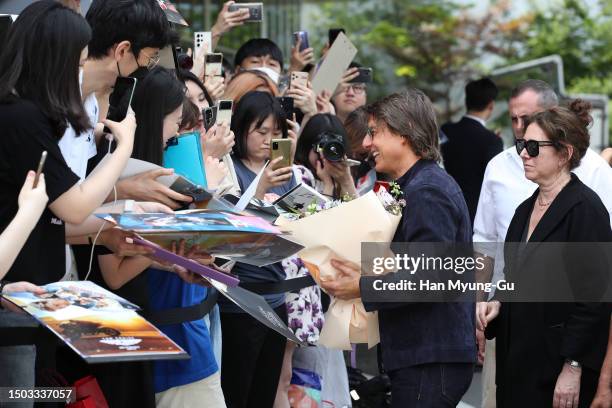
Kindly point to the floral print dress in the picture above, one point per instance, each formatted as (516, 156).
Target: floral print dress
(304, 310)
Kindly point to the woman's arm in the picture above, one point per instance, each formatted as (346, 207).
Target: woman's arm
(118, 270)
(32, 201)
(76, 204)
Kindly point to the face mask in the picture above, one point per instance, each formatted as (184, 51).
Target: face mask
(269, 72)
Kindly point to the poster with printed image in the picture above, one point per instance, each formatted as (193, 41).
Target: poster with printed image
(97, 324)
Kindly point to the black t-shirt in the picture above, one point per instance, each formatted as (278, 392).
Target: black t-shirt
(25, 132)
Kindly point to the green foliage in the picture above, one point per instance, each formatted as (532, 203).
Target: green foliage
(583, 39)
(434, 45)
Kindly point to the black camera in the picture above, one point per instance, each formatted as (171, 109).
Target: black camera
(331, 146)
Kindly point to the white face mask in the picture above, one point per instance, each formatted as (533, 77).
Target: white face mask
(274, 76)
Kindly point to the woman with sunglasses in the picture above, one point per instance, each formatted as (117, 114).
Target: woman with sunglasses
(550, 354)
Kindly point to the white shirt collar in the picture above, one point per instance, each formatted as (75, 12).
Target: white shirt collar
(477, 119)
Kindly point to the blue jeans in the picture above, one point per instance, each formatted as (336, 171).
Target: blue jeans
(435, 385)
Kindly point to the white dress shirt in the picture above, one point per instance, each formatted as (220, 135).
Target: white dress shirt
(477, 119)
(505, 187)
(78, 150)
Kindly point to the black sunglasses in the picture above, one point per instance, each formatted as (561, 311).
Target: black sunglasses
(532, 146)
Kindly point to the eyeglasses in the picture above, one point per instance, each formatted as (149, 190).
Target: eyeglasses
(153, 60)
(358, 89)
(532, 146)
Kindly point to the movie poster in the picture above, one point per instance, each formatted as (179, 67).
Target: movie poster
(98, 325)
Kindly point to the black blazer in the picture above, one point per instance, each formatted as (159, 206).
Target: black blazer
(469, 148)
(534, 339)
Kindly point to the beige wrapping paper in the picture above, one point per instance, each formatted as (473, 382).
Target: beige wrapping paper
(338, 233)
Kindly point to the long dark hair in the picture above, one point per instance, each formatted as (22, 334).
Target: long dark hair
(255, 107)
(40, 62)
(314, 128)
(156, 96)
(185, 76)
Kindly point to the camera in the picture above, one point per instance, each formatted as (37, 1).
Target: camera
(331, 146)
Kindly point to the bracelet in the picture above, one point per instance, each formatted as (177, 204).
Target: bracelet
(573, 363)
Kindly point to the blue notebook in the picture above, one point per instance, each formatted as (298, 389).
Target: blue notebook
(185, 157)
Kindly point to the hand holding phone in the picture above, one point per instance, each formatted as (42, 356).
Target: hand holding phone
(255, 10)
(33, 195)
(213, 64)
(120, 100)
(224, 112)
(298, 78)
(364, 76)
(41, 165)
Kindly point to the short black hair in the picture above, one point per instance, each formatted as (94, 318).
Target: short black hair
(40, 61)
(159, 94)
(479, 94)
(255, 107)
(311, 134)
(258, 47)
(141, 22)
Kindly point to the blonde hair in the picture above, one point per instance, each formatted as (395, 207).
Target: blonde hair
(248, 81)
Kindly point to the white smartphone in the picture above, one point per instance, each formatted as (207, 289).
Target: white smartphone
(224, 112)
(214, 64)
(202, 43)
(298, 78)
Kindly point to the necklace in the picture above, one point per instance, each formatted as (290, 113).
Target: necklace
(541, 202)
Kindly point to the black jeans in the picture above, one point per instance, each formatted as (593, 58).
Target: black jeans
(251, 361)
(434, 385)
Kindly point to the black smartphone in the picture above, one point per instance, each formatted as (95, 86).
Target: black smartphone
(41, 165)
(120, 99)
(303, 36)
(364, 77)
(286, 102)
(333, 34)
(5, 24)
(209, 115)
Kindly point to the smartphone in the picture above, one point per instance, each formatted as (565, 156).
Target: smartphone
(281, 147)
(255, 10)
(202, 43)
(364, 77)
(298, 77)
(209, 116)
(41, 165)
(120, 99)
(5, 23)
(301, 35)
(224, 112)
(214, 64)
(333, 34)
(286, 102)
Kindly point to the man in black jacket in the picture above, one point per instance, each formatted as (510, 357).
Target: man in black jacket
(428, 348)
(470, 144)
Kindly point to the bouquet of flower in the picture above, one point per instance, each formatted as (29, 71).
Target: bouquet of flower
(336, 231)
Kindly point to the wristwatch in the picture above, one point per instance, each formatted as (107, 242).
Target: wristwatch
(573, 363)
